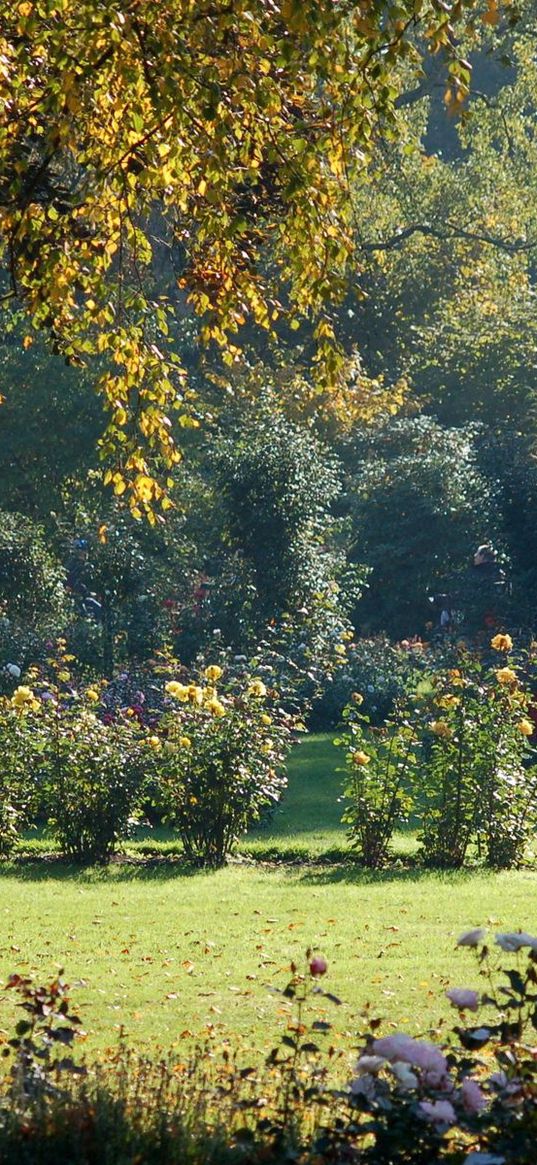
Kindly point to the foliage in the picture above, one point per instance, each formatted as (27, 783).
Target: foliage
(49, 1027)
(381, 778)
(32, 592)
(243, 128)
(277, 484)
(508, 459)
(19, 789)
(123, 568)
(450, 277)
(469, 1100)
(51, 421)
(480, 786)
(419, 506)
(382, 671)
(219, 756)
(61, 760)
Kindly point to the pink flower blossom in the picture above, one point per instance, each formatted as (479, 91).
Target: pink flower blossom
(513, 941)
(472, 1097)
(418, 1053)
(463, 998)
(439, 1112)
(318, 966)
(471, 938)
(406, 1078)
(364, 1086)
(369, 1064)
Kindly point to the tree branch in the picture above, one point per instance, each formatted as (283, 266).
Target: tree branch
(449, 232)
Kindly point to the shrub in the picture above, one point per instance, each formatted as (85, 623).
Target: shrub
(419, 506)
(479, 787)
(379, 788)
(31, 577)
(382, 671)
(94, 777)
(18, 775)
(219, 755)
(64, 762)
(472, 1102)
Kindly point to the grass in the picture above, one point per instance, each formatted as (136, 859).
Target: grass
(307, 823)
(170, 955)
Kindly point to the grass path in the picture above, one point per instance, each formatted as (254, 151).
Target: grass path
(164, 953)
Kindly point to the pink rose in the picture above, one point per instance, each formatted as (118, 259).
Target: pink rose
(463, 998)
(418, 1053)
(471, 938)
(318, 966)
(438, 1112)
(406, 1078)
(514, 941)
(369, 1064)
(472, 1097)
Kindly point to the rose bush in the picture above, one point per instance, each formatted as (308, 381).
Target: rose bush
(379, 789)
(480, 785)
(218, 758)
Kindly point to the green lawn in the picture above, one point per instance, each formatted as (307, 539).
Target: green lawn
(163, 953)
(307, 823)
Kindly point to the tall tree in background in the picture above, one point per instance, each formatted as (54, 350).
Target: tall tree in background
(224, 135)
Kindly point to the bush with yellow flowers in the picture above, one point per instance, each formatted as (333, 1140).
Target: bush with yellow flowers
(479, 787)
(218, 758)
(380, 777)
(94, 778)
(65, 764)
(19, 785)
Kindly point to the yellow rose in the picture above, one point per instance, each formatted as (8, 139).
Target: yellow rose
(92, 695)
(506, 675)
(257, 688)
(501, 643)
(265, 719)
(213, 673)
(360, 758)
(153, 742)
(440, 728)
(177, 691)
(23, 697)
(195, 694)
(215, 708)
(525, 727)
(185, 742)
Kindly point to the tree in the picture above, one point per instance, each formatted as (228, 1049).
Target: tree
(226, 135)
(419, 507)
(33, 600)
(450, 249)
(50, 423)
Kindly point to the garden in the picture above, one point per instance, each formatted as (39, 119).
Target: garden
(268, 614)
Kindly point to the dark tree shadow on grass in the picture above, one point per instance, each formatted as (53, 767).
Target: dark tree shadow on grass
(358, 876)
(55, 868)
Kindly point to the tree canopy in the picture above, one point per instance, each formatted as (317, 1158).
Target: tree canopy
(159, 157)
